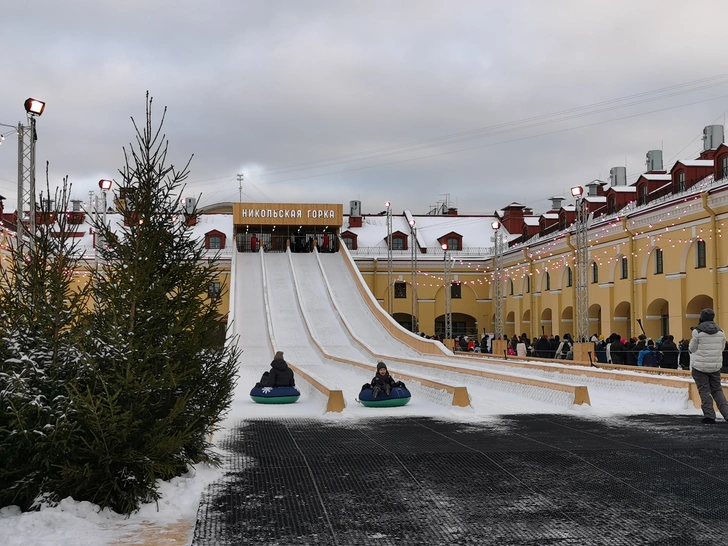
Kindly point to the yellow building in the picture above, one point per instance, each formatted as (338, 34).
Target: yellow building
(656, 257)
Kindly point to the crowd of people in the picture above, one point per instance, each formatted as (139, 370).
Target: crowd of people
(705, 353)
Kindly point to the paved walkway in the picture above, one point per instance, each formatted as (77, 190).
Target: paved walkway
(522, 480)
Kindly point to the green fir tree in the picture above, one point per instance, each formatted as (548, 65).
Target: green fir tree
(158, 380)
(43, 309)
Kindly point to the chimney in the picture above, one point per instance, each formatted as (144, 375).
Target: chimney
(593, 188)
(452, 211)
(556, 202)
(654, 160)
(355, 214)
(618, 176)
(712, 137)
(190, 204)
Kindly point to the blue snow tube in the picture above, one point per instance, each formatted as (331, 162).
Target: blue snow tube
(275, 395)
(398, 396)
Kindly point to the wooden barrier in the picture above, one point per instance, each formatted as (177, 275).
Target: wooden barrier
(643, 375)
(580, 392)
(336, 403)
(499, 347)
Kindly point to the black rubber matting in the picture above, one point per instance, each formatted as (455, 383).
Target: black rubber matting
(520, 480)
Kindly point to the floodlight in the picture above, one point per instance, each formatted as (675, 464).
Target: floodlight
(496, 225)
(34, 106)
(387, 204)
(444, 246)
(576, 191)
(105, 184)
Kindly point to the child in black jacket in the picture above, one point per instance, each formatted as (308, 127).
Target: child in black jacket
(383, 381)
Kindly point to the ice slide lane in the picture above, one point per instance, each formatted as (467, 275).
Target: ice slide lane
(334, 341)
(602, 388)
(367, 328)
(291, 334)
(247, 321)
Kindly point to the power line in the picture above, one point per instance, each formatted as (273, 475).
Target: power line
(502, 128)
(493, 143)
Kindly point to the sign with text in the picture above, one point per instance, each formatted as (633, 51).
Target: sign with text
(288, 214)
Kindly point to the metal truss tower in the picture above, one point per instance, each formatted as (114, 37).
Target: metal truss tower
(498, 300)
(413, 275)
(448, 294)
(390, 276)
(26, 181)
(582, 270)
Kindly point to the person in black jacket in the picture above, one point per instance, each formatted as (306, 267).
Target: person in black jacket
(280, 375)
(616, 350)
(542, 347)
(383, 381)
(669, 353)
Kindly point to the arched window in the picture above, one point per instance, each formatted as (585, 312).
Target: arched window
(680, 182)
(643, 195)
(569, 277)
(700, 254)
(528, 285)
(658, 261)
(548, 281)
(595, 272)
(510, 284)
(625, 268)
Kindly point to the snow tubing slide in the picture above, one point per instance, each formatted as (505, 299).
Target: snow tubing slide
(399, 396)
(275, 395)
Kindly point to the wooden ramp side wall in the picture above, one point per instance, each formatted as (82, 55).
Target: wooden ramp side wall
(336, 403)
(580, 392)
(419, 344)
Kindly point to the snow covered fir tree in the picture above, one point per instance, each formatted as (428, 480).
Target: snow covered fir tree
(109, 386)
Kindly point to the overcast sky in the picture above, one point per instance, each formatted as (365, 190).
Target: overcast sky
(325, 102)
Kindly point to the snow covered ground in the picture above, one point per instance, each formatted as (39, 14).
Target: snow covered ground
(282, 302)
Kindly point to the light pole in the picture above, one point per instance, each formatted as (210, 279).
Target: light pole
(582, 266)
(448, 292)
(498, 280)
(390, 285)
(413, 233)
(105, 186)
(27, 137)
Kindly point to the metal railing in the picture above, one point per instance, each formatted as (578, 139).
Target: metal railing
(88, 252)
(434, 252)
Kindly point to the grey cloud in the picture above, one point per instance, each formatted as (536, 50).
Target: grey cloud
(287, 83)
